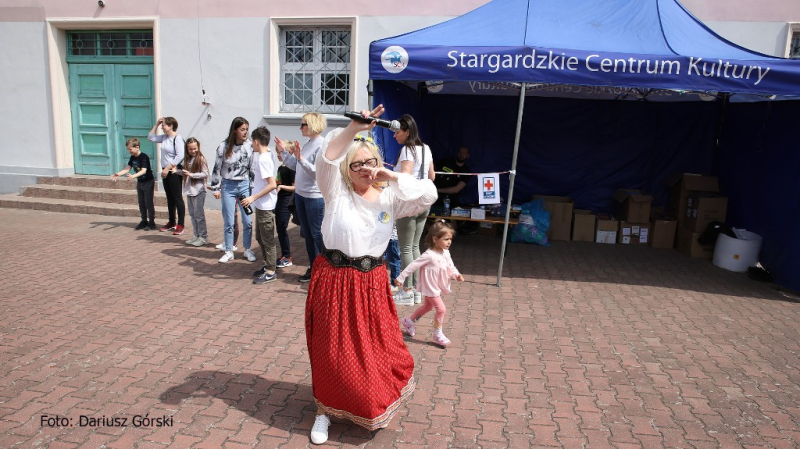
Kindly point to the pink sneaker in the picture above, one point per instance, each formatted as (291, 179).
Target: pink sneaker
(408, 324)
(440, 339)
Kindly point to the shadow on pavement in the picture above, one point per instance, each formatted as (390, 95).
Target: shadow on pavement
(282, 405)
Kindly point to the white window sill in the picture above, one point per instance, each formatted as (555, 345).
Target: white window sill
(293, 119)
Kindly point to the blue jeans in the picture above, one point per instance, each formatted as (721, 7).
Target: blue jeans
(230, 192)
(311, 211)
(393, 259)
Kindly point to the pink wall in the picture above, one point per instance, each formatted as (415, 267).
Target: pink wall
(745, 10)
(21, 10)
(173, 9)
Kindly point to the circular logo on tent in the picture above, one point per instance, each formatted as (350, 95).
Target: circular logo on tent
(394, 59)
(434, 87)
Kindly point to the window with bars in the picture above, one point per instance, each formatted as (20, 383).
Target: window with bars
(794, 50)
(110, 43)
(315, 69)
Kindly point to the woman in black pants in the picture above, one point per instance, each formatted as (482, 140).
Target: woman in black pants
(172, 149)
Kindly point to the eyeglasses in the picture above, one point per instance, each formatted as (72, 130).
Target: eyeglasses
(371, 163)
(303, 125)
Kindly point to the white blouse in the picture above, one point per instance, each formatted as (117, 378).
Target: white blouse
(356, 226)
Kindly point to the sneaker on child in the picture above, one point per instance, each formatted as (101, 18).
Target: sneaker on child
(404, 298)
(284, 262)
(408, 324)
(439, 338)
(250, 255)
(265, 278)
(192, 240)
(221, 247)
(260, 271)
(200, 242)
(319, 433)
(227, 257)
(178, 230)
(168, 227)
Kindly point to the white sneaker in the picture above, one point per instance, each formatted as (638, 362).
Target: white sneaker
(249, 254)
(221, 247)
(404, 298)
(199, 242)
(227, 257)
(417, 297)
(319, 433)
(192, 240)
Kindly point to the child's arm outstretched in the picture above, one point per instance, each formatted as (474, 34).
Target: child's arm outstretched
(423, 259)
(451, 267)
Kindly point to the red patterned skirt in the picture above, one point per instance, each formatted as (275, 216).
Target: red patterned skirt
(361, 369)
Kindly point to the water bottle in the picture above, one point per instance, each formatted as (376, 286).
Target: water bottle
(446, 211)
(247, 209)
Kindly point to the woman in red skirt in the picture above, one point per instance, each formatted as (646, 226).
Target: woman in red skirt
(360, 367)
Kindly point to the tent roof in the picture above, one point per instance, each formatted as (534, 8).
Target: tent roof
(632, 43)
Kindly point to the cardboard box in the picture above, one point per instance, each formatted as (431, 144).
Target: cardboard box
(606, 231)
(487, 228)
(583, 226)
(476, 213)
(560, 208)
(634, 205)
(662, 234)
(633, 233)
(688, 244)
(702, 208)
(459, 212)
(681, 185)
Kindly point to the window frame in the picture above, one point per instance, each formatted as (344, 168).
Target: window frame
(793, 29)
(98, 56)
(276, 73)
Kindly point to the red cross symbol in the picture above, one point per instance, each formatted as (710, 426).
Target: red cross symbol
(488, 185)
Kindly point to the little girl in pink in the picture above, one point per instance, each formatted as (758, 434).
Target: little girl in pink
(436, 270)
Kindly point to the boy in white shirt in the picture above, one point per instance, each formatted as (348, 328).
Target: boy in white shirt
(263, 200)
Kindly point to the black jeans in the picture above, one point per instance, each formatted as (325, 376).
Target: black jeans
(173, 187)
(282, 216)
(147, 209)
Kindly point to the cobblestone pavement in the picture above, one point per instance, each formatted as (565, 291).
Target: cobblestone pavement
(584, 345)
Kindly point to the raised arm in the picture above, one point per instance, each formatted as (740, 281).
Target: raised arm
(342, 142)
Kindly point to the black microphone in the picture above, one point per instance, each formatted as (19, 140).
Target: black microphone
(392, 125)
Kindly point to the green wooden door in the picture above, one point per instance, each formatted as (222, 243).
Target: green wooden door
(134, 109)
(110, 103)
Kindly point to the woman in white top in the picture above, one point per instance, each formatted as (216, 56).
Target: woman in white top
(361, 369)
(415, 158)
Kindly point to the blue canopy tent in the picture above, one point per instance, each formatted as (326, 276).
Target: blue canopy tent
(651, 51)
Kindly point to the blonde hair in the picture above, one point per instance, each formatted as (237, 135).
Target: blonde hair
(344, 166)
(316, 122)
(288, 145)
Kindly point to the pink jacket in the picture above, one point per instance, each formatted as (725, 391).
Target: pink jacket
(436, 272)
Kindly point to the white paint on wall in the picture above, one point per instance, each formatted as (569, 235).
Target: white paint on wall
(25, 119)
(764, 37)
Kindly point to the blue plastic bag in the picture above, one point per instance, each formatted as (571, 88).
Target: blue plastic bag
(534, 221)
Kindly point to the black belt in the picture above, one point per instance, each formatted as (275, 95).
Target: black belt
(339, 259)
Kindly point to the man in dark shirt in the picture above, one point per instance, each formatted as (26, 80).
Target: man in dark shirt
(452, 185)
(140, 163)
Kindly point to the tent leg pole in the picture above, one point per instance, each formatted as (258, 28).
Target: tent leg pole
(511, 177)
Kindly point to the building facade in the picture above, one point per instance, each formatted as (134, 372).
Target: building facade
(83, 76)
